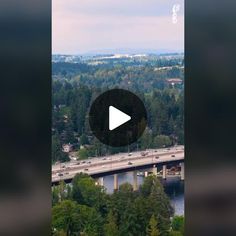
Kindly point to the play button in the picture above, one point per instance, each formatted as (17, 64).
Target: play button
(117, 117)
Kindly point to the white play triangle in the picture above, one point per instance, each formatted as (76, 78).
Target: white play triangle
(117, 118)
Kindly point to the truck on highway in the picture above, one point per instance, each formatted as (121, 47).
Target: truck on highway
(144, 154)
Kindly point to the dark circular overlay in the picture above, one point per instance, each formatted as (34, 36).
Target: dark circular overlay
(126, 102)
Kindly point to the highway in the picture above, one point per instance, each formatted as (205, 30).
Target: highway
(121, 161)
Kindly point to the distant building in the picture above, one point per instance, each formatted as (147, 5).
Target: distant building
(67, 147)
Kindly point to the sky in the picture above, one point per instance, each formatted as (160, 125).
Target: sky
(96, 26)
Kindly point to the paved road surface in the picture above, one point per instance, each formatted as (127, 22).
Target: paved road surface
(116, 162)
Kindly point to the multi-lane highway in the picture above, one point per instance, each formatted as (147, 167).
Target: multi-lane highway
(118, 162)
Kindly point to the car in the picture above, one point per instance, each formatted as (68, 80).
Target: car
(86, 169)
(104, 158)
(130, 154)
(155, 150)
(60, 174)
(130, 163)
(83, 162)
(157, 157)
(63, 166)
(67, 173)
(89, 162)
(103, 166)
(173, 155)
(78, 163)
(143, 154)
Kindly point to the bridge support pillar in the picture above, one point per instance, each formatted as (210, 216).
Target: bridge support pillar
(154, 170)
(182, 171)
(164, 171)
(116, 186)
(146, 174)
(135, 181)
(101, 181)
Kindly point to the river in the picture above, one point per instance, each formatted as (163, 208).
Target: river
(174, 188)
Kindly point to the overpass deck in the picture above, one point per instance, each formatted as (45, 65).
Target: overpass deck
(123, 162)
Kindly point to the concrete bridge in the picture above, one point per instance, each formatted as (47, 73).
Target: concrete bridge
(147, 161)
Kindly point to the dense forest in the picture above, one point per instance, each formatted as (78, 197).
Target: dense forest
(76, 85)
(85, 208)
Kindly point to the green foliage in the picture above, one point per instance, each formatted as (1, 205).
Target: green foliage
(83, 139)
(60, 193)
(70, 217)
(57, 154)
(146, 139)
(162, 141)
(159, 205)
(146, 187)
(175, 233)
(55, 195)
(84, 191)
(152, 229)
(111, 228)
(65, 216)
(177, 224)
(85, 208)
(83, 154)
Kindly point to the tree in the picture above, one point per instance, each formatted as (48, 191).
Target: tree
(129, 221)
(152, 227)
(159, 205)
(83, 154)
(55, 195)
(83, 139)
(57, 154)
(146, 139)
(86, 192)
(91, 221)
(162, 141)
(68, 135)
(111, 228)
(65, 216)
(177, 224)
(75, 219)
(146, 187)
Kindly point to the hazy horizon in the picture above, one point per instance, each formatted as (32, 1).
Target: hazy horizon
(123, 52)
(91, 26)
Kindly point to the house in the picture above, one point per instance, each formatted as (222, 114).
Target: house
(67, 147)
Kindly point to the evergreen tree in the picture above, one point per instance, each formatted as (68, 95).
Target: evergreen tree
(68, 136)
(152, 227)
(57, 154)
(83, 139)
(160, 206)
(111, 228)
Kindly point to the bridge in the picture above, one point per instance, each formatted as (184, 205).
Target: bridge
(146, 161)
